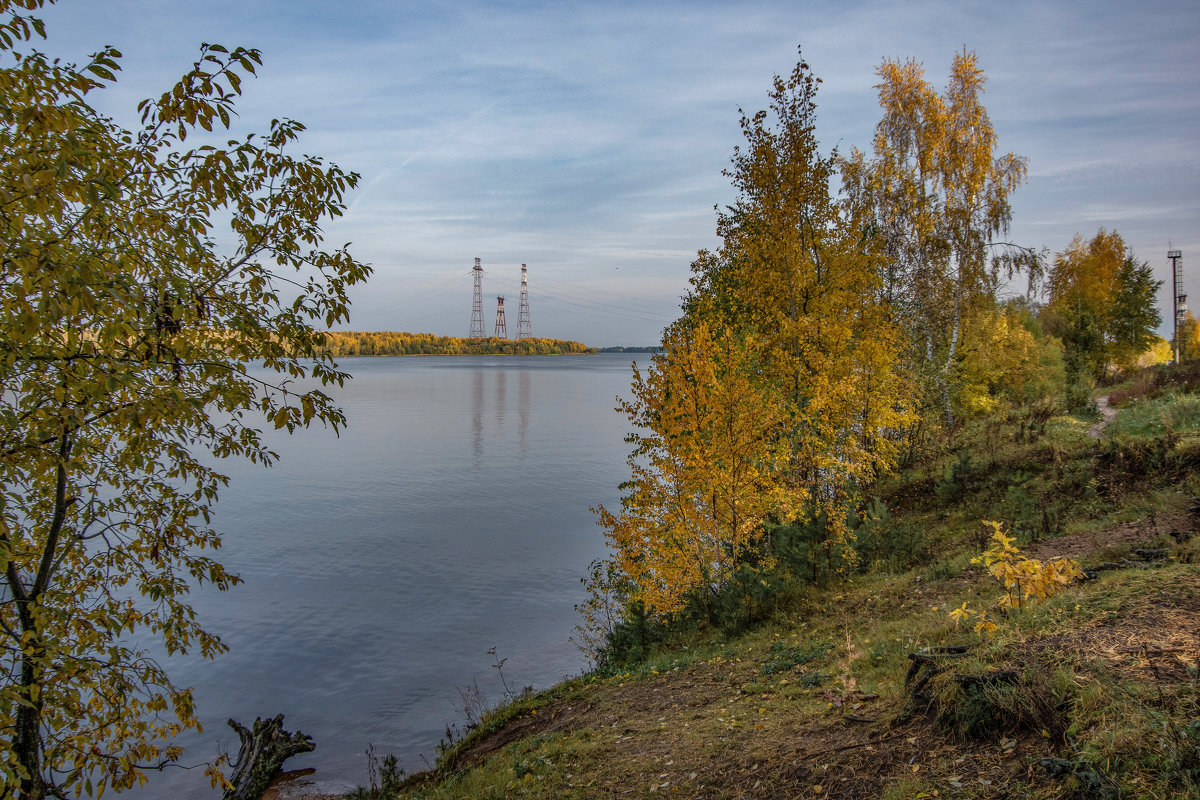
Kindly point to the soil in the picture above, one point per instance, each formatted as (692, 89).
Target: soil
(1107, 415)
(1128, 535)
(301, 784)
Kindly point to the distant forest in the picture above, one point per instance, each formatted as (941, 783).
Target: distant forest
(390, 343)
(653, 349)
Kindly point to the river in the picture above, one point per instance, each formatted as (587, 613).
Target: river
(450, 517)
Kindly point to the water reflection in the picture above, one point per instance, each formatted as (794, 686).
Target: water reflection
(477, 416)
(523, 409)
(501, 399)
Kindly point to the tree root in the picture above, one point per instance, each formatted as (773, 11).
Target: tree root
(261, 755)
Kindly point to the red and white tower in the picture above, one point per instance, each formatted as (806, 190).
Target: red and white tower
(477, 303)
(524, 327)
(501, 327)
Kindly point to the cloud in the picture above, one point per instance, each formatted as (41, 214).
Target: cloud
(591, 137)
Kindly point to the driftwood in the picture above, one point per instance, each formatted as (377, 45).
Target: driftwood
(261, 755)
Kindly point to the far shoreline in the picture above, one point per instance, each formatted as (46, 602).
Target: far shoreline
(346, 344)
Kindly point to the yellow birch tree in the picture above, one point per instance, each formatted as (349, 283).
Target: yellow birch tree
(939, 198)
(776, 391)
(703, 470)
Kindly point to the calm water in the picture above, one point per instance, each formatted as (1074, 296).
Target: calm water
(450, 517)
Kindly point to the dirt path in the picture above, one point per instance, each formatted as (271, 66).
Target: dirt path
(1107, 415)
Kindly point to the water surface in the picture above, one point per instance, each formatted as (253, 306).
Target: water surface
(450, 517)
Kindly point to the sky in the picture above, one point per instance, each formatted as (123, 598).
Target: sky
(587, 139)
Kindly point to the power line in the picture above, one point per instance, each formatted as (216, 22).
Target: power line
(615, 310)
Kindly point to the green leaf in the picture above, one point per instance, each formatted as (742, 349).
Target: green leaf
(103, 72)
(127, 336)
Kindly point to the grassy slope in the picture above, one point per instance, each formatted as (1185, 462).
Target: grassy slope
(814, 702)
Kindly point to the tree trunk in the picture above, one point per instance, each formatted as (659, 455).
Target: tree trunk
(27, 741)
(262, 754)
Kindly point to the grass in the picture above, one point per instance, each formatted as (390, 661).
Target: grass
(1172, 411)
(812, 702)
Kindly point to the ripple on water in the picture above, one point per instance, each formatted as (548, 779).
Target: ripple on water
(451, 516)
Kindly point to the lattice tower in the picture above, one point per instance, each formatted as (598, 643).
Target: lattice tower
(1177, 293)
(524, 327)
(477, 303)
(501, 327)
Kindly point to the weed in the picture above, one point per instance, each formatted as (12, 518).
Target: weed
(847, 688)
(473, 704)
(784, 658)
(811, 680)
(385, 778)
(992, 703)
(499, 667)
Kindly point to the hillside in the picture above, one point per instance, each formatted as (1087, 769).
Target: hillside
(839, 690)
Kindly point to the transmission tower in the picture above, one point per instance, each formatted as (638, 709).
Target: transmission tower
(501, 328)
(1179, 304)
(524, 327)
(477, 304)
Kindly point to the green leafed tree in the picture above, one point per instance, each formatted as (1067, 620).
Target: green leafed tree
(126, 332)
(1135, 315)
(1102, 303)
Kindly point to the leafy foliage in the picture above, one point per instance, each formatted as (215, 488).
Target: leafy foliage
(1189, 337)
(1102, 303)
(1023, 578)
(125, 333)
(883, 542)
(774, 393)
(1002, 362)
(939, 201)
(703, 474)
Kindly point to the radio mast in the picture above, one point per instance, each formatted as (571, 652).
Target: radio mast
(1178, 298)
(524, 327)
(477, 303)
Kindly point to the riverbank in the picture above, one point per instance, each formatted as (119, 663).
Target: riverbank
(1092, 690)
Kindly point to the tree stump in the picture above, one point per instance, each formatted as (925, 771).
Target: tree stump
(262, 754)
(927, 663)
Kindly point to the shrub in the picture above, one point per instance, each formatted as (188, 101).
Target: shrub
(884, 543)
(957, 478)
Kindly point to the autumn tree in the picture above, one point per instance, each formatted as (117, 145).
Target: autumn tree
(704, 469)
(1005, 360)
(776, 391)
(1189, 337)
(1102, 303)
(795, 268)
(125, 335)
(939, 199)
